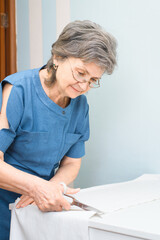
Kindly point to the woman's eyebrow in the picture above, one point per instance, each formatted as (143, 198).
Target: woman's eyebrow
(85, 70)
(82, 68)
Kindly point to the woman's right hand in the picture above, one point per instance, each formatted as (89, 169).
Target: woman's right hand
(48, 196)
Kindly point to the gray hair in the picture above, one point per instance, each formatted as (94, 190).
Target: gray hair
(85, 40)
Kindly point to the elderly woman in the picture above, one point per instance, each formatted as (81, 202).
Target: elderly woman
(44, 120)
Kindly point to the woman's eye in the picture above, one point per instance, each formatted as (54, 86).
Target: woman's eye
(81, 73)
(94, 80)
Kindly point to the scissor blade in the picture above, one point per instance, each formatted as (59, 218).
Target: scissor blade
(87, 207)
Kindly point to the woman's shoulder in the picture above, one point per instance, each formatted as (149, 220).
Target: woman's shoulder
(81, 104)
(82, 99)
(21, 78)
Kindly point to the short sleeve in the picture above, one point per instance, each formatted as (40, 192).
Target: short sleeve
(78, 149)
(14, 113)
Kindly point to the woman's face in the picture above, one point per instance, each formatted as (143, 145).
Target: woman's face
(72, 68)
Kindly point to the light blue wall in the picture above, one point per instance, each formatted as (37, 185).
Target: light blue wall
(48, 31)
(48, 27)
(125, 111)
(22, 19)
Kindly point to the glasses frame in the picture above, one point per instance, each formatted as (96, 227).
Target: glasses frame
(91, 84)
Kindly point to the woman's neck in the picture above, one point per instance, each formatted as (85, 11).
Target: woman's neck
(52, 91)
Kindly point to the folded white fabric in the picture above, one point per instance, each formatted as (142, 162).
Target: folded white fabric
(30, 223)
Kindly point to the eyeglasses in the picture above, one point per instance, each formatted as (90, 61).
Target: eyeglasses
(80, 77)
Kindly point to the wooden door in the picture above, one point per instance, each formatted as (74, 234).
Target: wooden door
(7, 38)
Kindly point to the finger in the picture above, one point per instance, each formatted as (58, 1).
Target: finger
(22, 196)
(25, 202)
(72, 190)
(58, 209)
(65, 204)
(55, 208)
(22, 199)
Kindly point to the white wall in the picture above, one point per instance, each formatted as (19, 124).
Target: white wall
(125, 111)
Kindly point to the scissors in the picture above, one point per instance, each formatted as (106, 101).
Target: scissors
(85, 207)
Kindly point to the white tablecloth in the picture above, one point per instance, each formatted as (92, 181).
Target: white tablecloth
(29, 223)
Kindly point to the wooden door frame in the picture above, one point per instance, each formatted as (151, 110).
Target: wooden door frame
(2, 43)
(10, 39)
(11, 60)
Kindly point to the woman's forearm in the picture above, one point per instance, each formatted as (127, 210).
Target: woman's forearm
(67, 171)
(46, 194)
(15, 180)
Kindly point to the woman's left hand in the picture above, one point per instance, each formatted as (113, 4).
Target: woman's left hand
(26, 200)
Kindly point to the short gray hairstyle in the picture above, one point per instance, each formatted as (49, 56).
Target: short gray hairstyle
(85, 40)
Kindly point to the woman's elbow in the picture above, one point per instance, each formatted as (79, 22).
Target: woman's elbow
(1, 156)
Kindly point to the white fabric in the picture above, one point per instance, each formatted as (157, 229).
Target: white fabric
(30, 223)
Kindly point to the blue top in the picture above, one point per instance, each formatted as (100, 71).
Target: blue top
(40, 132)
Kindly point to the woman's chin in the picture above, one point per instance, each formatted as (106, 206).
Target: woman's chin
(73, 93)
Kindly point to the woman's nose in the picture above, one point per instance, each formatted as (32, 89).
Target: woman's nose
(83, 85)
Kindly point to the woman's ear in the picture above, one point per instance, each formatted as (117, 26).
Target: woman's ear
(55, 59)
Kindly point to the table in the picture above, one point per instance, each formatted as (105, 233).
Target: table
(138, 222)
(132, 212)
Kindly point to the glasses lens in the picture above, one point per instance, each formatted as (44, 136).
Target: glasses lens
(80, 77)
(94, 85)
